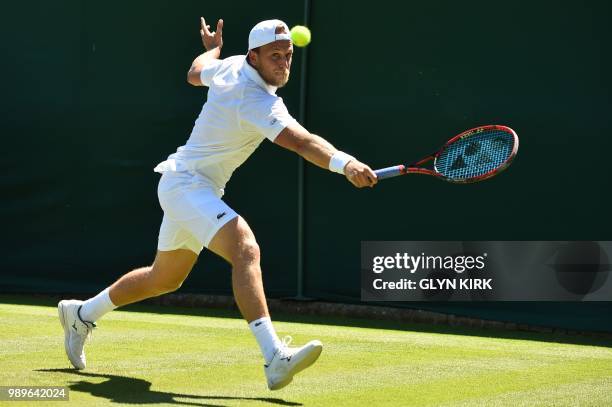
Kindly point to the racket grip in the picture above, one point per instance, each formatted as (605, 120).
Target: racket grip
(389, 172)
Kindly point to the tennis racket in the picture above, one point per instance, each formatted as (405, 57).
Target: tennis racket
(472, 156)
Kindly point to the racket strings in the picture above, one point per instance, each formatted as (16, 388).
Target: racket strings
(475, 155)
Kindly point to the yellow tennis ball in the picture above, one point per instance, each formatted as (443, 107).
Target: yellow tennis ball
(300, 35)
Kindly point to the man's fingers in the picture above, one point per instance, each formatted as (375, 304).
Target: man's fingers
(205, 27)
(360, 175)
(371, 177)
(220, 27)
(367, 178)
(371, 181)
(367, 182)
(360, 180)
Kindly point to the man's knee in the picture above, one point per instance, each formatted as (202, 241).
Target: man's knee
(169, 286)
(236, 243)
(247, 252)
(244, 250)
(162, 284)
(167, 274)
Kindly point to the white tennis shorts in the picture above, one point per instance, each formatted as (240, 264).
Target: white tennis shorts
(193, 212)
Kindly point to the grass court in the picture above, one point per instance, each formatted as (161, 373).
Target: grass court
(167, 356)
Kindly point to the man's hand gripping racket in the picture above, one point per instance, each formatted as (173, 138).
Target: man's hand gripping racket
(472, 156)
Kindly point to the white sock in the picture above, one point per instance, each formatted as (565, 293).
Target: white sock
(94, 308)
(266, 337)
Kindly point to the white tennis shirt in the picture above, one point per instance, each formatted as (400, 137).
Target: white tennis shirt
(240, 112)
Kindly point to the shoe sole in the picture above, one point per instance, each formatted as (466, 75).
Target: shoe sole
(62, 317)
(60, 312)
(317, 348)
(280, 385)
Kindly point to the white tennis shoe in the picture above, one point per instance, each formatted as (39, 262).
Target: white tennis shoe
(287, 362)
(76, 331)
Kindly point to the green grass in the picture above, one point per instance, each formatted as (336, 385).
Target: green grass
(208, 357)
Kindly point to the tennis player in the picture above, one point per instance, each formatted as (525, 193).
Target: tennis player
(241, 110)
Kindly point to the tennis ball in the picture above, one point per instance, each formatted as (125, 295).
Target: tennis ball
(300, 35)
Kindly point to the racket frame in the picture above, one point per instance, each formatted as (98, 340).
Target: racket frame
(416, 167)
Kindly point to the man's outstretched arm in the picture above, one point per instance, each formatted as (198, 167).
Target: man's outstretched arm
(320, 152)
(213, 42)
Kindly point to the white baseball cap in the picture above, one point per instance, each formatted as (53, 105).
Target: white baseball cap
(265, 32)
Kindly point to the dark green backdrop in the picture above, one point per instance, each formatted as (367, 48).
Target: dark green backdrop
(94, 95)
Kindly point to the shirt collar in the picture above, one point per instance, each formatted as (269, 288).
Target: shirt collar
(253, 75)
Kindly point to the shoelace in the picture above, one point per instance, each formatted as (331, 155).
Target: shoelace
(283, 351)
(89, 336)
(287, 341)
(88, 325)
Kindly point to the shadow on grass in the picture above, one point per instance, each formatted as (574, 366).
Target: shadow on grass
(337, 321)
(130, 390)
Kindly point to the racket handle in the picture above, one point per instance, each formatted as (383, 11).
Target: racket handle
(389, 172)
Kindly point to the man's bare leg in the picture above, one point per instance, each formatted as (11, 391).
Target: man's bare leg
(236, 243)
(167, 273)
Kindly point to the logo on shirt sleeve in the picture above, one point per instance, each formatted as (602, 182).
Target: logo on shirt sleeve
(273, 121)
